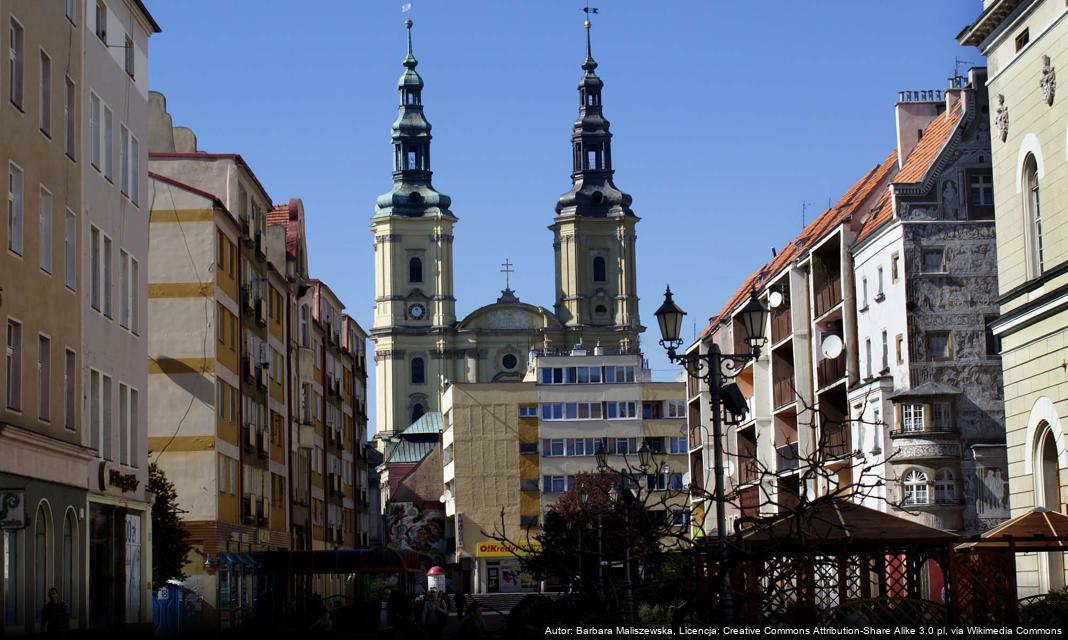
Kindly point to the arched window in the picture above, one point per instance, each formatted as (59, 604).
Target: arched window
(599, 271)
(1047, 493)
(415, 270)
(916, 490)
(1033, 217)
(417, 411)
(40, 559)
(68, 590)
(418, 371)
(945, 487)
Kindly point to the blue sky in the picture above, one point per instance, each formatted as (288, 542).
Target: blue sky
(727, 117)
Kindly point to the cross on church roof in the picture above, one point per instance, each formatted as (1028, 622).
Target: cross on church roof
(507, 270)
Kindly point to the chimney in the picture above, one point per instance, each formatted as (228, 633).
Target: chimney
(913, 112)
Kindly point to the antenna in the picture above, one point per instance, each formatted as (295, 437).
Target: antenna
(957, 80)
(805, 204)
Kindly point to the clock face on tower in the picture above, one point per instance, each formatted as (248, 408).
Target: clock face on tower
(417, 311)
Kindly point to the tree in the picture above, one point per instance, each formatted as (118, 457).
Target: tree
(170, 540)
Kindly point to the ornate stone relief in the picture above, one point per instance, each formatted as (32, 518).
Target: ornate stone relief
(1001, 119)
(1048, 83)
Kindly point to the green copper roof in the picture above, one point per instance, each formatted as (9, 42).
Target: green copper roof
(408, 451)
(412, 193)
(430, 422)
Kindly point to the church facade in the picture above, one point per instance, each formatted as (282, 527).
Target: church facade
(420, 344)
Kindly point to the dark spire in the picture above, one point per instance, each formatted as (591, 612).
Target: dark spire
(592, 191)
(412, 194)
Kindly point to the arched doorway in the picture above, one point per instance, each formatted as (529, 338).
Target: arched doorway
(1047, 494)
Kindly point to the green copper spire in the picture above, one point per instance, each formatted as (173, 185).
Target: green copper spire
(412, 193)
(592, 191)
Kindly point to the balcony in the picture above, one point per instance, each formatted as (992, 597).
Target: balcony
(248, 509)
(782, 391)
(262, 517)
(780, 324)
(830, 370)
(261, 377)
(528, 485)
(528, 448)
(829, 295)
(261, 312)
(246, 234)
(249, 438)
(787, 457)
(748, 470)
(261, 444)
(836, 441)
(261, 244)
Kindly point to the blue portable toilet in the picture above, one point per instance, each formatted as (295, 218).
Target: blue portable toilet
(167, 611)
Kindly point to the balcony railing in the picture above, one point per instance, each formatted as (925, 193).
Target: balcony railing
(830, 370)
(780, 324)
(828, 296)
(787, 457)
(836, 441)
(747, 469)
(934, 428)
(782, 391)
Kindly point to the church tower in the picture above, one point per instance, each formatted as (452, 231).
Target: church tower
(596, 291)
(415, 309)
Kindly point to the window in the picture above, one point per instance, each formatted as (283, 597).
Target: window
(94, 130)
(124, 159)
(72, 15)
(124, 285)
(105, 274)
(1022, 39)
(863, 293)
(69, 569)
(912, 418)
(415, 270)
(13, 364)
(132, 435)
(69, 118)
(553, 484)
(44, 232)
(129, 57)
(222, 474)
(529, 411)
(46, 95)
(552, 448)
(618, 374)
(993, 341)
(620, 410)
(418, 371)
(934, 260)
(109, 145)
(1033, 219)
(102, 21)
(599, 274)
(939, 346)
(916, 490)
(942, 416)
(655, 444)
(129, 275)
(676, 409)
(44, 378)
(945, 487)
(417, 411)
(304, 336)
(509, 361)
(879, 296)
(100, 413)
(886, 352)
(14, 209)
(867, 356)
(124, 424)
(135, 175)
(10, 558)
(900, 346)
(69, 250)
(69, 393)
(981, 195)
(15, 63)
(678, 444)
(894, 259)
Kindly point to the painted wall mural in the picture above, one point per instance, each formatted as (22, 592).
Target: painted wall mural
(417, 528)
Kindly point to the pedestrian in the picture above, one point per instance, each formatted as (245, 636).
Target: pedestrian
(461, 601)
(473, 625)
(55, 616)
(386, 614)
(435, 614)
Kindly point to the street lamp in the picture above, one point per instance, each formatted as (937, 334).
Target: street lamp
(713, 368)
(644, 454)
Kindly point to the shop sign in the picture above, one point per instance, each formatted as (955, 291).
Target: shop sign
(126, 482)
(494, 549)
(459, 531)
(12, 508)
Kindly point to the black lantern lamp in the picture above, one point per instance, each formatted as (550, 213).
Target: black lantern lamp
(644, 456)
(669, 317)
(754, 317)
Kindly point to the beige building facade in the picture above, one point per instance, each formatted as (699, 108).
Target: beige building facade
(1025, 42)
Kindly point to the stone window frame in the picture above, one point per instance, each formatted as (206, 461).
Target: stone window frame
(917, 482)
(949, 350)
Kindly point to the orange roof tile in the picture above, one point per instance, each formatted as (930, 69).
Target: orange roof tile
(927, 149)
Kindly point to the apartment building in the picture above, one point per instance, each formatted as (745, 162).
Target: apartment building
(519, 446)
(73, 414)
(354, 390)
(217, 361)
(1025, 41)
(878, 351)
(45, 470)
(114, 225)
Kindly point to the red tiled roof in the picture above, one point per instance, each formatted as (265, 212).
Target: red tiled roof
(848, 205)
(930, 145)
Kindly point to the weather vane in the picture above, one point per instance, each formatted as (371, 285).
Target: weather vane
(588, 10)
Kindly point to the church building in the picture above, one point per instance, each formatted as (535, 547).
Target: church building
(420, 344)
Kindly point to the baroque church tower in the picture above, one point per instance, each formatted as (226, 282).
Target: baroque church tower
(596, 288)
(415, 309)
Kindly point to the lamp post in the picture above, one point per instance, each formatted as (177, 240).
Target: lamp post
(716, 369)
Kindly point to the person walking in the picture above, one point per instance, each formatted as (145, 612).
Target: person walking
(55, 616)
(473, 625)
(435, 614)
(386, 614)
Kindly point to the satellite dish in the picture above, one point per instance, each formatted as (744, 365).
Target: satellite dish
(775, 299)
(832, 346)
(445, 497)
